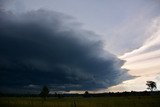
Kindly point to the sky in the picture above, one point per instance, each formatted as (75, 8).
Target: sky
(77, 45)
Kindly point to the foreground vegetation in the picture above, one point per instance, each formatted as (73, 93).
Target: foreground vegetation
(127, 101)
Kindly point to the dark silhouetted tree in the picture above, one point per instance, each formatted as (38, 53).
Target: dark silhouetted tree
(151, 85)
(55, 94)
(45, 92)
(86, 94)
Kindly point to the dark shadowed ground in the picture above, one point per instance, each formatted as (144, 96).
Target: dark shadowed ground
(111, 100)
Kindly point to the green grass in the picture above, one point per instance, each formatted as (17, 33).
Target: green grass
(131, 101)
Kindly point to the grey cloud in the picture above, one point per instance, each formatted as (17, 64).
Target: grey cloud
(4, 3)
(42, 48)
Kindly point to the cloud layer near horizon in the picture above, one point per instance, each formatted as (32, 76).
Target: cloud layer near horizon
(143, 62)
(42, 48)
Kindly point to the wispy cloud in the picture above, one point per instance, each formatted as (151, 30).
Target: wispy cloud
(151, 44)
(144, 62)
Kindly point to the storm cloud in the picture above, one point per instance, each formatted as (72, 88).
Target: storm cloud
(46, 48)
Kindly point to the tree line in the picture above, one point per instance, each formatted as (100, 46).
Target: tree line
(45, 92)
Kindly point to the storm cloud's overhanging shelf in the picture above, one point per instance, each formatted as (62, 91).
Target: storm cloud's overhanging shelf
(42, 48)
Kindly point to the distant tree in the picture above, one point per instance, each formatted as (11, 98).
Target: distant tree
(151, 85)
(86, 94)
(45, 92)
(60, 95)
(55, 94)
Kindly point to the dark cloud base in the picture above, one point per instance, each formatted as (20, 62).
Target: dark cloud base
(37, 48)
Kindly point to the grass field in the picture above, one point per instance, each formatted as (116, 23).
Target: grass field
(130, 101)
